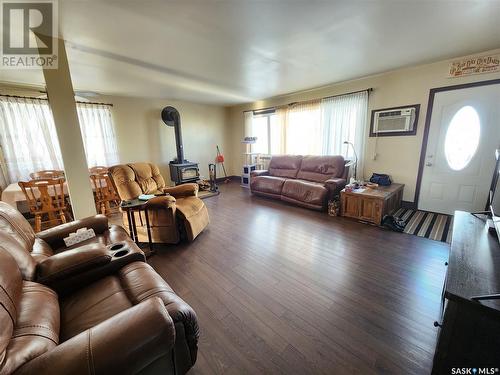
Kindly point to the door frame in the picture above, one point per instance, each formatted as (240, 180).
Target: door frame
(430, 105)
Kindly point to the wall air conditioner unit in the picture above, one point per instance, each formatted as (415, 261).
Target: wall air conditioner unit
(394, 121)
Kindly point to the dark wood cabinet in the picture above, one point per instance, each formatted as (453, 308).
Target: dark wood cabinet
(469, 333)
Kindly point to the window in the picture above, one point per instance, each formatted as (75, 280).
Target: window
(261, 129)
(98, 134)
(317, 127)
(29, 140)
(303, 135)
(462, 138)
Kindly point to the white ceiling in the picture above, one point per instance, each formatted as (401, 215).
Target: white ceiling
(234, 51)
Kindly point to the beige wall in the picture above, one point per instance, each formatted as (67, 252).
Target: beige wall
(397, 156)
(142, 136)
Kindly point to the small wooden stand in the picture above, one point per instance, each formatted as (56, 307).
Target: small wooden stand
(371, 204)
(131, 207)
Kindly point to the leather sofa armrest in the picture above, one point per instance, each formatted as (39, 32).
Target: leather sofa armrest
(160, 202)
(334, 185)
(184, 190)
(123, 344)
(55, 236)
(70, 270)
(261, 172)
(186, 321)
(71, 262)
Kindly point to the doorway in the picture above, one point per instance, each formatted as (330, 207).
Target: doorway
(458, 154)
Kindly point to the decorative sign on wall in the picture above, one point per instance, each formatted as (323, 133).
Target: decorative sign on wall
(474, 65)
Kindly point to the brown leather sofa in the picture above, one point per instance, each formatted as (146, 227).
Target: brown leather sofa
(179, 214)
(308, 181)
(34, 252)
(111, 313)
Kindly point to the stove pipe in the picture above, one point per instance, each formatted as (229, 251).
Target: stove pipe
(171, 117)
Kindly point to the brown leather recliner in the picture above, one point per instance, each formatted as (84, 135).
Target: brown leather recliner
(307, 181)
(179, 214)
(31, 249)
(111, 313)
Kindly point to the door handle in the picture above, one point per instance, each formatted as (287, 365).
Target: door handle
(428, 164)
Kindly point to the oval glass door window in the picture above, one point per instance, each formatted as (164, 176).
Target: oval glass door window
(462, 138)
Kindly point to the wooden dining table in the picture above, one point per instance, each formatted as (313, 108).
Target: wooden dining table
(14, 196)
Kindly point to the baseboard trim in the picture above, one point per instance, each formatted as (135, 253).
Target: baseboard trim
(230, 178)
(408, 205)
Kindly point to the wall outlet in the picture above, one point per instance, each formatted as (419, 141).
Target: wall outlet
(374, 157)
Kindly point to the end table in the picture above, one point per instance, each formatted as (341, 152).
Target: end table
(371, 204)
(130, 207)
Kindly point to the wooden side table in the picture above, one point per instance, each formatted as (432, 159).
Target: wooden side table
(130, 207)
(371, 204)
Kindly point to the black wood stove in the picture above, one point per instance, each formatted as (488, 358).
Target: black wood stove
(181, 170)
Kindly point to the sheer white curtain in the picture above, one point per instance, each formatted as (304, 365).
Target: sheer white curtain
(4, 174)
(303, 130)
(317, 127)
(29, 143)
(98, 134)
(344, 119)
(28, 137)
(248, 123)
(278, 131)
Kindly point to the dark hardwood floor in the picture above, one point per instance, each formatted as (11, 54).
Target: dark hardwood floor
(282, 289)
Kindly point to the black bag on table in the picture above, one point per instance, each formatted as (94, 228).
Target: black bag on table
(381, 179)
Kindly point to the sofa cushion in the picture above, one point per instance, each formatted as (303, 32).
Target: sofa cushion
(109, 296)
(37, 326)
(41, 250)
(305, 191)
(285, 165)
(321, 168)
(25, 262)
(13, 224)
(267, 184)
(134, 179)
(10, 294)
(92, 305)
(148, 177)
(124, 180)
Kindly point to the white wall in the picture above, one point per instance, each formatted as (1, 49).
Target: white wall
(397, 156)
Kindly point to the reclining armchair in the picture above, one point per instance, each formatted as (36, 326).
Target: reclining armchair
(38, 254)
(179, 214)
(96, 307)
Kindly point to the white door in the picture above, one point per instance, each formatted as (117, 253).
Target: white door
(463, 135)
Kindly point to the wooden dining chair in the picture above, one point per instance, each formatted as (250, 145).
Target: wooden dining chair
(105, 193)
(46, 197)
(49, 173)
(98, 170)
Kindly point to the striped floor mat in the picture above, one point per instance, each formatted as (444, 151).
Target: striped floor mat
(427, 224)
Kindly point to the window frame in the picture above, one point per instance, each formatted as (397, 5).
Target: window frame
(267, 114)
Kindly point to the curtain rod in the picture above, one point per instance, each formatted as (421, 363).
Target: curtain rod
(370, 89)
(34, 98)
